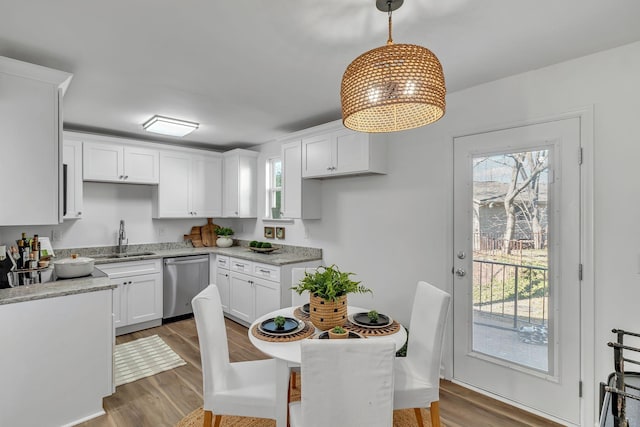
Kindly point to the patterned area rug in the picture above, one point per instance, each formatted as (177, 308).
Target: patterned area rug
(401, 418)
(142, 358)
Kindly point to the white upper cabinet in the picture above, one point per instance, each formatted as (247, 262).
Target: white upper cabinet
(240, 181)
(342, 152)
(301, 198)
(112, 162)
(72, 195)
(31, 124)
(190, 186)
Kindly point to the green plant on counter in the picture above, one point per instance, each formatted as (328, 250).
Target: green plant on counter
(266, 245)
(279, 321)
(254, 244)
(329, 283)
(224, 231)
(373, 316)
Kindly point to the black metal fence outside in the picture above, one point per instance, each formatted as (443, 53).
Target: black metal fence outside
(511, 292)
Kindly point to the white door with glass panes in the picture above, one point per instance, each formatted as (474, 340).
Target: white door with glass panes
(516, 260)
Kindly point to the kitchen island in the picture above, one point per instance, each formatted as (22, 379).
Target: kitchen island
(56, 362)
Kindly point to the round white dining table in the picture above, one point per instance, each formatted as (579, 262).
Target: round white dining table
(287, 355)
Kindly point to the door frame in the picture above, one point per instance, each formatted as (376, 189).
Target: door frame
(589, 398)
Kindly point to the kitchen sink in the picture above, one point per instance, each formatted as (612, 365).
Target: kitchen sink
(124, 255)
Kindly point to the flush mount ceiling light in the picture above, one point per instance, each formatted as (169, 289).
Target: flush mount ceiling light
(169, 126)
(393, 87)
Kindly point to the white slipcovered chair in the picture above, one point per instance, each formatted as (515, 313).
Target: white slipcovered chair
(417, 376)
(345, 383)
(242, 388)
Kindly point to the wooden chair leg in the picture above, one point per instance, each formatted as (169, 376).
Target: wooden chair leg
(419, 417)
(208, 417)
(294, 378)
(217, 421)
(435, 414)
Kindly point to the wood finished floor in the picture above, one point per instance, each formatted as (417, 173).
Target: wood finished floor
(164, 399)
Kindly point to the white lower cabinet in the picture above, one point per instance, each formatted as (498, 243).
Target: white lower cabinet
(223, 280)
(137, 301)
(252, 297)
(254, 289)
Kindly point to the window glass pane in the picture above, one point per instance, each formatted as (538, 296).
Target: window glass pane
(511, 280)
(277, 173)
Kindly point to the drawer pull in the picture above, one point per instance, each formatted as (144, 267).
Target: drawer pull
(265, 271)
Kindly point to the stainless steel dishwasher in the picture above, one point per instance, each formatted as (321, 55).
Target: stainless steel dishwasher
(184, 277)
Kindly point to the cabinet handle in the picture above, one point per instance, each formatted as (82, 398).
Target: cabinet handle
(121, 177)
(264, 271)
(79, 213)
(240, 265)
(329, 168)
(126, 177)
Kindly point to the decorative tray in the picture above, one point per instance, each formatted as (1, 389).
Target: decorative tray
(362, 319)
(325, 335)
(264, 250)
(291, 326)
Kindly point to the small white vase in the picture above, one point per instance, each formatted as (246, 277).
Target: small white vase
(224, 242)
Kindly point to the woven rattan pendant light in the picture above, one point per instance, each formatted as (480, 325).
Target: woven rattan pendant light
(393, 87)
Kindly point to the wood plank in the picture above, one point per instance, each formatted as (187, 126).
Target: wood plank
(163, 399)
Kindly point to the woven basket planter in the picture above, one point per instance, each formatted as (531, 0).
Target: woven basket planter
(327, 314)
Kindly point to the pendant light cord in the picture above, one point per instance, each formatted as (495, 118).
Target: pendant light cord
(389, 40)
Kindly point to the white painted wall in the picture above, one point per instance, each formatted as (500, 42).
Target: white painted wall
(105, 204)
(396, 229)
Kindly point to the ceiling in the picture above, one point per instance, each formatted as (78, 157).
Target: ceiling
(250, 71)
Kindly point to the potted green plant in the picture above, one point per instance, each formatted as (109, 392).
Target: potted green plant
(328, 288)
(279, 321)
(224, 237)
(373, 316)
(338, 332)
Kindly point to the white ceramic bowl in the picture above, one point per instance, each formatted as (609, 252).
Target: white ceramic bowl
(68, 268)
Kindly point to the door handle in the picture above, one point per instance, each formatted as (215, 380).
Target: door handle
(461, 272)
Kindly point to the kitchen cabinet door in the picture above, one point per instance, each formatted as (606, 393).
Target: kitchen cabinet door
(144, 298)
(72, 193)
(141, 165)
(173, 195)
(317, 155)
(266, 297)
(206, 188)
(241, 297)
(301, 198)
(103, 162)
(222, 282)
(240, 181)
(342, 152)
(351, 152)
(31, 124)
(119, 306)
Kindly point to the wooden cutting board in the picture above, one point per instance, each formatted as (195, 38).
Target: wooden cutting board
(195, 237)
(208, 233)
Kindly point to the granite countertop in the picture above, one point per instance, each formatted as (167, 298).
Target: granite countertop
(55, 289)
(285, 255)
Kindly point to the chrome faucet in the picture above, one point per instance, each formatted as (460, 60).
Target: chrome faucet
(122, 237)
